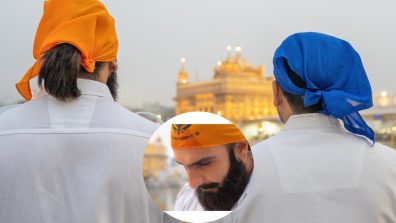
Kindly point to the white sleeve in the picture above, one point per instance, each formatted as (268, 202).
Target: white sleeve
(179, 204)
(187, 200)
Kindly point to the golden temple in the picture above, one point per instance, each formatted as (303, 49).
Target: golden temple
(238, 91)
(155, 158)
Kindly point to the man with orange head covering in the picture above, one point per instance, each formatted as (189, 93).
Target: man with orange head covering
(71, 153)
(218, 163)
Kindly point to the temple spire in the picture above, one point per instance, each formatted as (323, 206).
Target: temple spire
(238, 50)
(229, 49)
(182, 77)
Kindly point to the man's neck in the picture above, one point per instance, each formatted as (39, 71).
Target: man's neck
(93, 77)
(250, 165)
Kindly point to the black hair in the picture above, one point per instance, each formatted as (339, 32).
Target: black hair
(296, 101)
(60, 69)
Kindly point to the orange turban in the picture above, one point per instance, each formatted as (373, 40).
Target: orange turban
(193, 136)
(85, 24)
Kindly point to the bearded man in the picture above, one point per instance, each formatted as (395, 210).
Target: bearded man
(72, 153)
(218, 163)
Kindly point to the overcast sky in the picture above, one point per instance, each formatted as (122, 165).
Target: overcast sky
(154, 34)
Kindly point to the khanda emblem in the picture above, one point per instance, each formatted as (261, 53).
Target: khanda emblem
(180, 128)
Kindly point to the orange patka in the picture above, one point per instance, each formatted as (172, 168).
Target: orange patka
(85, 24)
(194, 136)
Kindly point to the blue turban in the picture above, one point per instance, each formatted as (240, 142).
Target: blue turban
(333, 73)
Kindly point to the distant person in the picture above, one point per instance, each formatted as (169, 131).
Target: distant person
(73, 154)
(218, 163)
(315, 170)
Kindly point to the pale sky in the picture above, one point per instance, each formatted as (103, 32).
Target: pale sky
(155, 34)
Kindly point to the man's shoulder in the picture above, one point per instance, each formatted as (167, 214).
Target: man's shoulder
(121, 117)
(16, 116)
(384, 153)
(102, 114)
(263, 146)
(385, 149)
(3, 109)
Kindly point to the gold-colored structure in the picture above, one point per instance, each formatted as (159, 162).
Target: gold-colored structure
(382, 118)
(155, 158)
(238, 91)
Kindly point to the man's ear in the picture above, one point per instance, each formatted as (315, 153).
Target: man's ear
(113, 66)
(278, 94)
(242, 150)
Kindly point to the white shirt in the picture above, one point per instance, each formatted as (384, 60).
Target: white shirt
(316, 172)
(187, 199)
(78, 161)
(8, 107)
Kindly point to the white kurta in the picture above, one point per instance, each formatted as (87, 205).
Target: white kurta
(6, 108)
(316, 172)
(77, 161)
(187, 200)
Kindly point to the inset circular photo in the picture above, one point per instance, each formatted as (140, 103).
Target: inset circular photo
(197, 167)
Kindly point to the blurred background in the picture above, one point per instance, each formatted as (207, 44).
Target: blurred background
(162, 175)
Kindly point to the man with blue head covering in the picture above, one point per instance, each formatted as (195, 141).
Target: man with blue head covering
(330, 76)
(325, 166)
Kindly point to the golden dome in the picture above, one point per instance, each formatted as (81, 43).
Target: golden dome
(237, 66)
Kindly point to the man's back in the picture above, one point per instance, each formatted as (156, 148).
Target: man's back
(314, 171)
(77, 161)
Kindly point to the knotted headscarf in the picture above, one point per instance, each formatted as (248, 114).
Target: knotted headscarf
(85, 24)
(195, 136)
(333, 73)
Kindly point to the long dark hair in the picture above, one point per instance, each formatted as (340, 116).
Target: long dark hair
(60, 69)
(61, 66)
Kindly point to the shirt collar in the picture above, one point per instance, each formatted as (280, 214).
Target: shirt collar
(95, 88)
(311, 120)
(87, 87)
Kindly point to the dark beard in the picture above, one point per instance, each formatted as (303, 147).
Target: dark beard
(229, 192)
(112, 83)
